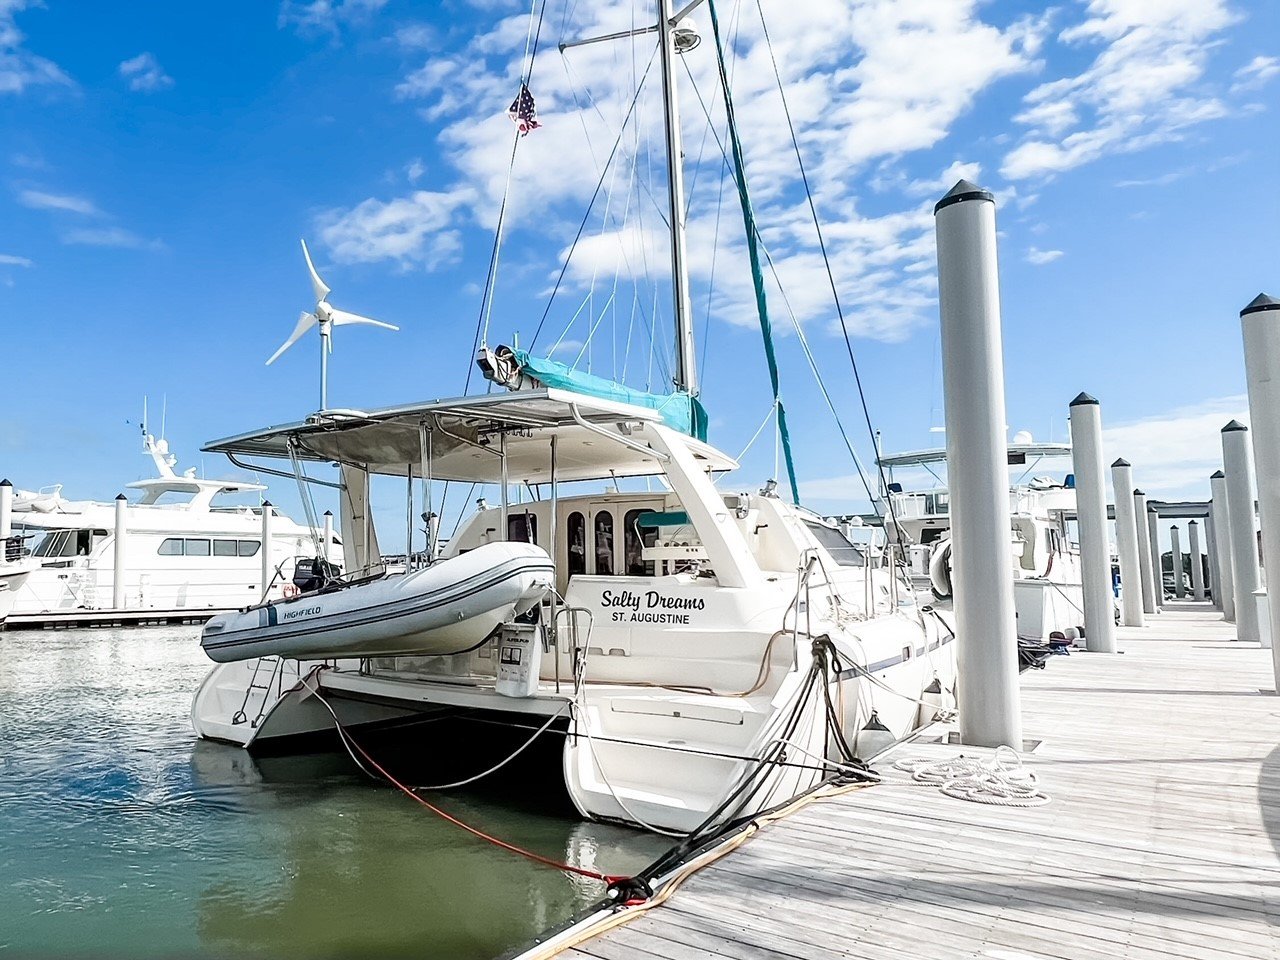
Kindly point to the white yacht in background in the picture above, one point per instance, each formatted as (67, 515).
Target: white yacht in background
(1047, 589)
(188, 553)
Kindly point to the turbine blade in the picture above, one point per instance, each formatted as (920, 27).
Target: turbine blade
(319, 286)
(342, 317)
(305, 322)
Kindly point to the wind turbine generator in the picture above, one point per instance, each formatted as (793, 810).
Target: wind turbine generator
(326, 317)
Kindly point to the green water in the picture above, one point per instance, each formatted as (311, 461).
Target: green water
(122, 835)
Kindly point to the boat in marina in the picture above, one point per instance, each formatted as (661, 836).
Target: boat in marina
(703, 652)
(188, 551)
(1047, 589)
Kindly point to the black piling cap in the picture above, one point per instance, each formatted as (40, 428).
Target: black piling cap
(1138, 493)
(962, 191)
(1217, 475)
(1122, 462)
(1261, 303)
(328, 513)
(5, 483)
(121, 496)
(1192, 523)
(1082, 400)
(266, 503)
(1233, 426)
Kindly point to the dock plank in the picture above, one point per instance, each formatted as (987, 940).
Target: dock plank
(1162, 840)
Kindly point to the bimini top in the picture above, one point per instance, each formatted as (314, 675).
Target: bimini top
(1018, 454)
(596, 438)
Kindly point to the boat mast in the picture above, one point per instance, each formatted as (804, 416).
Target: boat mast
(686, 372)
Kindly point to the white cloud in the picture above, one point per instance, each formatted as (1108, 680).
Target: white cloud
(414, 170)
(1174, 453)
(321, 17)
(857, 95)
(42, 200)
(409, 230)
(19, 68)
(1142, 87)
(958, 170)
(1255, 74)
(145, 74)
(1037, 257)
(12, 260)
(109, 237)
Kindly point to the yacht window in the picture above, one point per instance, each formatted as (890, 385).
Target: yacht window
(171, 547)
(833, 541)
(635, 539)
(249, 548)
(58, 543)
(225, 548)
(577, 530)
(196, 548)
(522, 528)
(604, 543)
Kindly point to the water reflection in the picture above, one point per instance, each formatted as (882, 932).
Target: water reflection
(122, 835)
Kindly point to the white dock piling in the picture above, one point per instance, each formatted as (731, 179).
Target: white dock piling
(1214, 586)
(1238, 468)
(6, 518)
(1197, 565)
(977, 466)
(326, 553)
(1260, 323)
(1144, 552)
(1175, 558)
(1131, 612)
(1091, 517)
(1222, 533)
(120, 556)
(1157, 571)
(268, 568)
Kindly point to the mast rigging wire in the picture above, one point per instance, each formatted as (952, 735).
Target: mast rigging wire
(826, 261)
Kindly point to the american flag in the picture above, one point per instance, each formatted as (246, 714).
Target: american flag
(523, 112)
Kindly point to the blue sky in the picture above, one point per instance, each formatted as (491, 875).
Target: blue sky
(158, 165)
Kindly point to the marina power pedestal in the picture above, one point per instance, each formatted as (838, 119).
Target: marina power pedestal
(519, 659)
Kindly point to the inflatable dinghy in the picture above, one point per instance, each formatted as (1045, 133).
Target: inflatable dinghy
(444, 608)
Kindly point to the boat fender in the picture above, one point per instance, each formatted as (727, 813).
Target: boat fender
(940, 570)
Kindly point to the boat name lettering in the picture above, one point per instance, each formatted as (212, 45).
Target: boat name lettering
(649, 600)
(295, 614)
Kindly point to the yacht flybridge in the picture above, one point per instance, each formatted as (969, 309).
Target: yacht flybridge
(703, 652)
(183, 552)
(1047, 590)
(685, 636)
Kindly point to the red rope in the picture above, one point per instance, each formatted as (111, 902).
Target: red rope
(528, 854)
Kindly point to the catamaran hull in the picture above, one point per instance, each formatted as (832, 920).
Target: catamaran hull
(445, 608)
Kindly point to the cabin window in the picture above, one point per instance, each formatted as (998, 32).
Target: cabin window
(226, 548)
(171, 547)
(604, 543)
(195, 548)
(635, 539)
(577, 531)
(833, 541)
(522, 528)
(249, 548)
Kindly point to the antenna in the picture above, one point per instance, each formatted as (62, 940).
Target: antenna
(326, 317)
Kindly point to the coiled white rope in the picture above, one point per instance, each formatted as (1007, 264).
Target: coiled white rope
(1002, 781)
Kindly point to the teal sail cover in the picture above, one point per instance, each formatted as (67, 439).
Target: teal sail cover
(753, 252)
(679, 410)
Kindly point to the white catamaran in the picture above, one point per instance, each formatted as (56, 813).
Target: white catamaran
(703, 654)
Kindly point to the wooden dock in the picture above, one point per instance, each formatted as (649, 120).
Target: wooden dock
(1161, 840)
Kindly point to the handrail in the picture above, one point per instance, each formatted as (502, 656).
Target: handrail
(616, 437)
